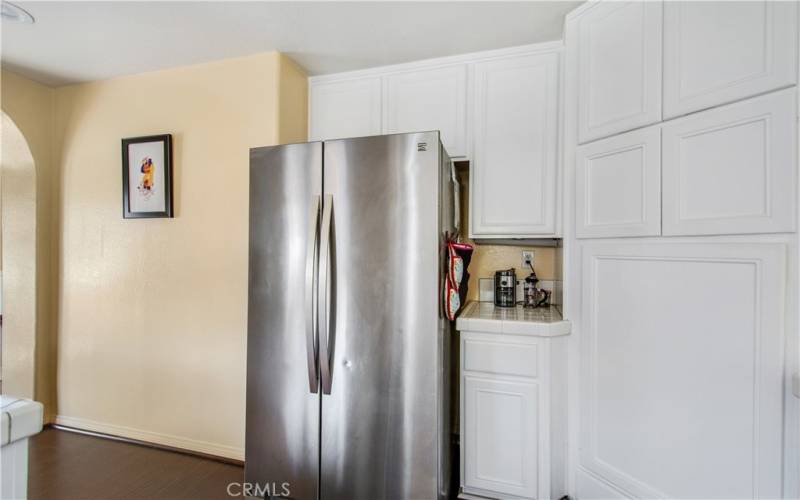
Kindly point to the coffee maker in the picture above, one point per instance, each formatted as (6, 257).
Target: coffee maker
(505, 288)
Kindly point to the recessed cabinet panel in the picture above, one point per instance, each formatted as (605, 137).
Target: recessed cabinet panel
(516, 147)
(681, 382)
(350, 108)
(618, 186)
(434, 99)
(619, 68)
(501, 426)
(719, 52)
(731, 170)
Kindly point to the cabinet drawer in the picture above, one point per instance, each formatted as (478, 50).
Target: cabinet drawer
(509, 358)
(731, 170)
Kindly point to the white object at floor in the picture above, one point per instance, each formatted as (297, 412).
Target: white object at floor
(21, 419)
(513, 402)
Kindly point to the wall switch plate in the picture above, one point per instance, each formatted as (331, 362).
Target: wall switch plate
(527, 257)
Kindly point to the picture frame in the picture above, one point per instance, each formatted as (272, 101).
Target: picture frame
(147, 177)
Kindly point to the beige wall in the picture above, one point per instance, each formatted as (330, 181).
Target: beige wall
(293, 112)
(19, 281)
(30, 106)
(152, 333)
(486, 259)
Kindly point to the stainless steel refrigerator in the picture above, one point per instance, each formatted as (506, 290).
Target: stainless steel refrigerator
(347, 348)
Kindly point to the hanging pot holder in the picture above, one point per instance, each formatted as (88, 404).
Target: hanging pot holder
(452, 302)
(455, 266)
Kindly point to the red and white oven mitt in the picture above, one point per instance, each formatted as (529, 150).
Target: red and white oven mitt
(455, 281)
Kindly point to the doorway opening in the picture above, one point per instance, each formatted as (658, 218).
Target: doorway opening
(17, 262)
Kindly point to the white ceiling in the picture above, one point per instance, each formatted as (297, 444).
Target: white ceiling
(82, 41)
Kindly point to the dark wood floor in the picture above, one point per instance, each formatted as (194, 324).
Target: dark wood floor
(69, 466)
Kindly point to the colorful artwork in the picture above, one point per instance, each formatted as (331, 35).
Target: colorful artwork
(146, 184)
(147, 176)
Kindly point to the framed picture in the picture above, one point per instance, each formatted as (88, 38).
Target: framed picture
(147, 176)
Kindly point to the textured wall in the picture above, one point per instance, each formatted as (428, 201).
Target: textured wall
(30, 106)
(293, 111)
(152, 337)
(19, 254)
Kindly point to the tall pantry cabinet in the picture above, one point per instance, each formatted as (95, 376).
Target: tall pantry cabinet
(680, 225)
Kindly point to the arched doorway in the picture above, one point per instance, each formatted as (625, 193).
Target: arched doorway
(17, 260)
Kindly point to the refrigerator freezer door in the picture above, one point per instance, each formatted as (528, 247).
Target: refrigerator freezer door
(282, 427)
(380, 423)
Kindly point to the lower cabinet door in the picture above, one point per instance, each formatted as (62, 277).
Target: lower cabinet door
(681, 383)
(501, 425)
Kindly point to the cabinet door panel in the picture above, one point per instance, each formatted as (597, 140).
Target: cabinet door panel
(619, 68)
(718, 52)
(350, 108)
(731, 170)
(681, 384)
(501, 425)
(618, 186)
(434, 99)
(516, 144)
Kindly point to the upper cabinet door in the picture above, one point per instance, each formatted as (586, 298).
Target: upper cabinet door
(513, 174)
(731, 170)
(719, 52)
(349, 108)
(618, 185)
(619, 68)
(434, 99)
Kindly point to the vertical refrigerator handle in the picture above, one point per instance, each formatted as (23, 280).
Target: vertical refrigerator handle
(325, 290)
(311, 294)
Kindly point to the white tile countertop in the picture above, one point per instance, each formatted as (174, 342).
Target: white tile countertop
(486, 317)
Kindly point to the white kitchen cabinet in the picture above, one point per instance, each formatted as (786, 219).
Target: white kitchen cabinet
(619, 68)
(502, 432)
(515, 150)
(618, 185)
(346, 108)
(513, 402)
(719, 52)
(681, 370)
(429, 99)
(500, 109)
(732, 169)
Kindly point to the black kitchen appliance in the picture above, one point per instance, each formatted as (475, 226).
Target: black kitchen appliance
(505, 288)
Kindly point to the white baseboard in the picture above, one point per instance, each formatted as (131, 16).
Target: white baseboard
(219, 450)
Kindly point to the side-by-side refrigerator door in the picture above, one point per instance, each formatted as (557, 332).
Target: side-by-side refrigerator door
(379, 318)
(283, 397)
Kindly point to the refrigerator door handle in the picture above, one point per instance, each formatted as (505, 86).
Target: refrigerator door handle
(311, 295)
(325, 290)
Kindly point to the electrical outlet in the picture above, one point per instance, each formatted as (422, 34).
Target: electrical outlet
(527, 259)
